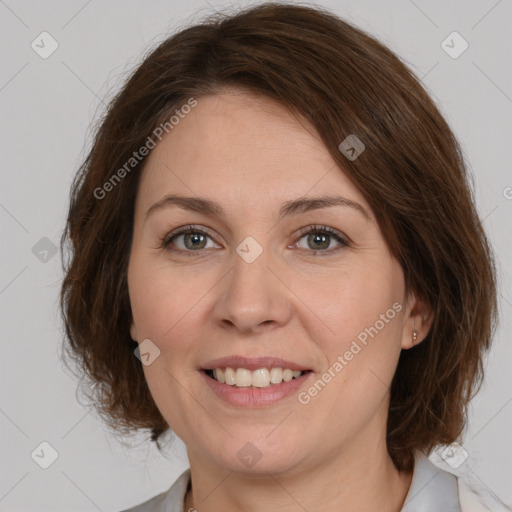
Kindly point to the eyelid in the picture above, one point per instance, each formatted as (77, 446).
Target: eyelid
(320, 227)
(184, 230)
(342, 239)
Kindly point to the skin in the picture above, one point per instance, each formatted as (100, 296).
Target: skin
(251, 155)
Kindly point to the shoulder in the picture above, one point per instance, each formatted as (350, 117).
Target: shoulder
(437, 485)
(474, 495)
(167, 501)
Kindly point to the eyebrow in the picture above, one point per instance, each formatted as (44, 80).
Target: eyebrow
(293, 207)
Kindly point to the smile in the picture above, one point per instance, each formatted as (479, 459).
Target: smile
(259, 378)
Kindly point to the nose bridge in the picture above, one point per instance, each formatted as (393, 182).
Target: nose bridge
(252, 294)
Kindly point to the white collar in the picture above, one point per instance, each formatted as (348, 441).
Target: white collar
(431, 488)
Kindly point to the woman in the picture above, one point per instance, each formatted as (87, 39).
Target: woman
(276, 254)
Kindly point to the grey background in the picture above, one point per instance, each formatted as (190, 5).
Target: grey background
(47, 107)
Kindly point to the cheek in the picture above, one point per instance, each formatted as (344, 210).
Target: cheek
(353, 301)
(160, 297)
(165, 307)
(358, 327)
(170, 306)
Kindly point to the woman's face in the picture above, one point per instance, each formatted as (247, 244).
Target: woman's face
(251, 282)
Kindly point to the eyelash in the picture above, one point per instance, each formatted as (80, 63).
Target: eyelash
(168, 238)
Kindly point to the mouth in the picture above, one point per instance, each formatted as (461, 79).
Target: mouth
(256, 386)
(258, 378)
(257, 372)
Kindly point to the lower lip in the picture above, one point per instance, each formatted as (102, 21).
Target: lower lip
(255, 397)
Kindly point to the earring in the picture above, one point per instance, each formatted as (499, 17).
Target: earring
(414, 335)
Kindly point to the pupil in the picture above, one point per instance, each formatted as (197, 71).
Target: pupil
(195, 237)
(317, 236)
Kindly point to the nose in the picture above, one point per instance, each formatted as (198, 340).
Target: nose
(253, 296)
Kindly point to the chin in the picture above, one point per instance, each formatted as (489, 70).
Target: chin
(260, 456)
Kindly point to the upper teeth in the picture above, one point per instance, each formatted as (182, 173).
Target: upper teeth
(259, 378)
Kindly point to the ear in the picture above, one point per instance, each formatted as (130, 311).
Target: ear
(133, 331)
(418, 317)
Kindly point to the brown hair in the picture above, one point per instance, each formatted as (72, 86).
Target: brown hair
(412, 173)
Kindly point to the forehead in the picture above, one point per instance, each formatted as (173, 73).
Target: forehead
(235, 147)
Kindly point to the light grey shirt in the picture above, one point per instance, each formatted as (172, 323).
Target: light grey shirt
(432, 490)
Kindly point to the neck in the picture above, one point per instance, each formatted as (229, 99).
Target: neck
(360, 479)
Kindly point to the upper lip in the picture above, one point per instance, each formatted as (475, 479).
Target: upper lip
(252, 363)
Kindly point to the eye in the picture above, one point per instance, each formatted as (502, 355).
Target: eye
(320, 238)
(192, 240)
